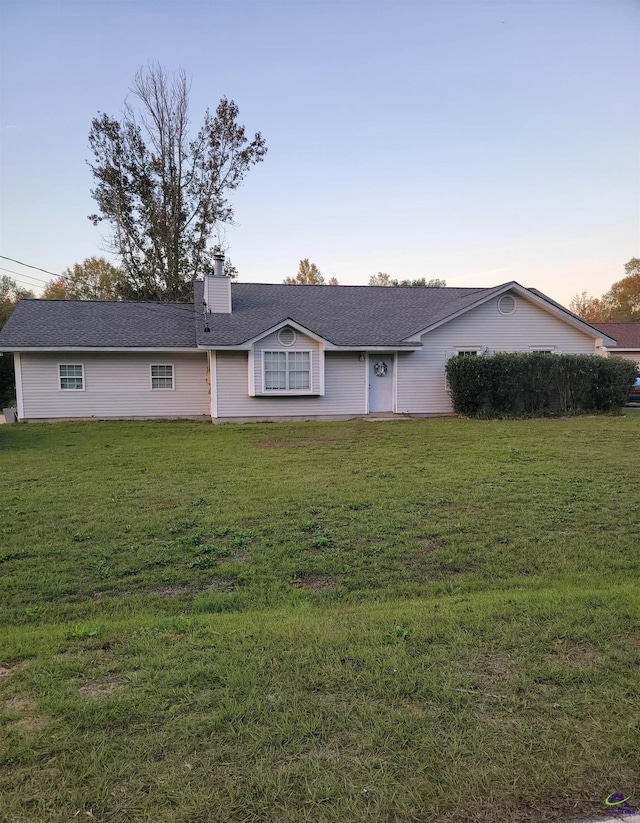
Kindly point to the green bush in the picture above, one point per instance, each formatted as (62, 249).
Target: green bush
(518, 385)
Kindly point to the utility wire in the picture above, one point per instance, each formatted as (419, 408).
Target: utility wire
(23, 284)
(20, 274)
(62, 277)
(38, 280)
(37, 268)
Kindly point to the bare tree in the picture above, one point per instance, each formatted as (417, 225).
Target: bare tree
(162, 193)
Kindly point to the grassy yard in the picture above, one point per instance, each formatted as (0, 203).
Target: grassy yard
(360, 621)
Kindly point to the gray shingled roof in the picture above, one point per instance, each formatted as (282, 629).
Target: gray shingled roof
(343, 315)
(99, 324)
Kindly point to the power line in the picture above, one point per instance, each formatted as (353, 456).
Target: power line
(37, 268)
(23, 284)
(20, 274)
(42, 281)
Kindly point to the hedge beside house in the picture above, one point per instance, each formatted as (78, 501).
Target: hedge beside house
(523, 385)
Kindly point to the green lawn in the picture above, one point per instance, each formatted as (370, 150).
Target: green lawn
(355, 621)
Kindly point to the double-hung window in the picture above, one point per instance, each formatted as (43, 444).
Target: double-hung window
(71, 377)
(288, 371)
(162, 377)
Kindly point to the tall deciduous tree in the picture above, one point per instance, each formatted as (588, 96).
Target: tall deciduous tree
(621, 304)
(384, 279)
(624, 296)
(10, 295)
(588, 308)
(162, 193)
(93, 279)
(309, 275)
(229, 269)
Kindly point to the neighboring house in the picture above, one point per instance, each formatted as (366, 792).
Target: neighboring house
(627, 337)
(248, 352)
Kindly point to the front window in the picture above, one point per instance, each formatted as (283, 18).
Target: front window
(468, 353)
(162, 377)
(71, 377)
(287, 371)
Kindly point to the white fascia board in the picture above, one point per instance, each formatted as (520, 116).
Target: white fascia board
(120, 349)
(413, 347)
(236, 347)
(546, 305)
(613, 349)
(326, 346)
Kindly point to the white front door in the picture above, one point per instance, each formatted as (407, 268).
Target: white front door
(381, 382)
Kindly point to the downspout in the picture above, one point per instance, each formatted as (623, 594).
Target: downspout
(17, 367)
(213, 384)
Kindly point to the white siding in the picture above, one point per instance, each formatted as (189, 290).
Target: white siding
(421, 386)
(626, 355)
(217, 294)
(115, 385)
(345, 389)
(302, 343)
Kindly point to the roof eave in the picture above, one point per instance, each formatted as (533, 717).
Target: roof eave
(86, 348)
(329, 347)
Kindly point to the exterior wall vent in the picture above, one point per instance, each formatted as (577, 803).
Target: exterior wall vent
(287, 336)
(507, 304)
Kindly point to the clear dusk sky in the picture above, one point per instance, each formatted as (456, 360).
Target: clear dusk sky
(474, 141)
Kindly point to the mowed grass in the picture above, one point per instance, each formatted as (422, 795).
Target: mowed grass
(389, 621)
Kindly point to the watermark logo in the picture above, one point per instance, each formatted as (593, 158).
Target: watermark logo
(618, 803)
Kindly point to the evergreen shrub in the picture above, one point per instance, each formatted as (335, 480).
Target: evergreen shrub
(536, 384)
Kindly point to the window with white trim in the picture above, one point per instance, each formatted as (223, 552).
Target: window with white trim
(71, 376)
(467, 353)
(287, 371)
(162, 376)
(542, 349)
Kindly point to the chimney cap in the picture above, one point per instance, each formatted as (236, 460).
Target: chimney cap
(218, 262)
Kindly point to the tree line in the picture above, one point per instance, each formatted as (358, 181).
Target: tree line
(308, 274)
(621, 304)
